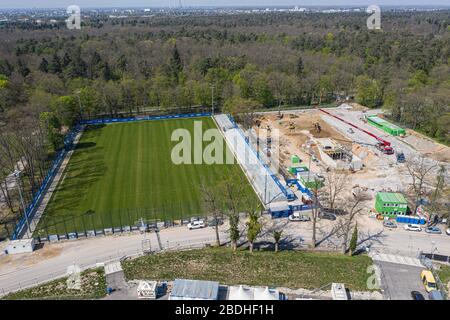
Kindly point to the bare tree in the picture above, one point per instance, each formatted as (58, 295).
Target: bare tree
(211, 205)
(438, 204)
(420, 172)
(315, 211)
(344, 226)
(334, 185)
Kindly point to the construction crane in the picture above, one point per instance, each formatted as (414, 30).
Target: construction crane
(382, 145)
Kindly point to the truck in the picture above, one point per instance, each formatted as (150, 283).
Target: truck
(400, 157)
(386, 149)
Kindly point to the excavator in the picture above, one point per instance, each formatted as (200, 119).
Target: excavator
(317, 127)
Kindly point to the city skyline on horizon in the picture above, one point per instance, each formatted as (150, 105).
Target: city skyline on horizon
(49, 4)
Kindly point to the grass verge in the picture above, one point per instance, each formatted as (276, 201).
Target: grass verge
(93, 286)
(291, 269)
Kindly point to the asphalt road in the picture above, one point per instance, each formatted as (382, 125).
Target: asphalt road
(52, 260)
(399, 280)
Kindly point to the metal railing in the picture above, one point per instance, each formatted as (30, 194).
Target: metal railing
(428, 263)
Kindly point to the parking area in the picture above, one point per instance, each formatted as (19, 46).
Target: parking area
(398, 280)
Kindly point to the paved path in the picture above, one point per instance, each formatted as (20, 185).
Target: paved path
(50, 262)
(48, 194)
(397, 259)
(398, 280)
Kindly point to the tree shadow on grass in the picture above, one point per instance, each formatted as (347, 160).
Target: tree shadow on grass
(85, 145)
(81, 175)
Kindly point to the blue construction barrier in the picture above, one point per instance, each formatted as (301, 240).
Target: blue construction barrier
(411, 219)
(287, 193)
(68, 143)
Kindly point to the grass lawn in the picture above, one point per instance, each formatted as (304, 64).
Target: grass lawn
(93, 286)
(123, 172)
(444, 274)
(283, 269)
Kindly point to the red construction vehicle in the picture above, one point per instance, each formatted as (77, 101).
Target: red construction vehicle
(384, 148)
(382, 145)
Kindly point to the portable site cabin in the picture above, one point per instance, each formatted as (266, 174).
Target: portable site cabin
(295, 169)
(20, 246)
(295, 160)
(279, 209)
(194, 290)
(386, 126)
(310, 180)
(391, 204)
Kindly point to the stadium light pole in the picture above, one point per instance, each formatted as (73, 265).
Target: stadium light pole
(22, 202)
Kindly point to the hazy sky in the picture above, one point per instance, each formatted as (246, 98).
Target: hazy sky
(166, 3)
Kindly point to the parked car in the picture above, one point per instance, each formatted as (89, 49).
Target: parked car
(298, 217)
(213, 222)
(416, 295)
(433, 230)
(350, 130)
(447, 231)
(390, 224)
(327, 215)
(413, 227)
(435, 295)
(428, 280)
(198, 224)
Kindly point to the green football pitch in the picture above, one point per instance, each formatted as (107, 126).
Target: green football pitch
(120, 173)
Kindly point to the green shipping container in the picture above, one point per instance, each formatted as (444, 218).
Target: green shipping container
(391, 204)
(386, 126)
(295, 159)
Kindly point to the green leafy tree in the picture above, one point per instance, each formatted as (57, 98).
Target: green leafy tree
(51, 125)
(23, 68)
(254, 228)
(67, 109)
(43, 66)
(55, 66)
(368, 92)
(353, 241)
(300, 67)
(277, 237)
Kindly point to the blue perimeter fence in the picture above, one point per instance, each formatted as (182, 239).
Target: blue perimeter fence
(68, 143)
(37, 197)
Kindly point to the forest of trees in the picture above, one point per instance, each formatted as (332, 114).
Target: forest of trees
(51, 77)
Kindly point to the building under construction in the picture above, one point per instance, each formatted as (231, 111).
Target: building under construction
(337, 156)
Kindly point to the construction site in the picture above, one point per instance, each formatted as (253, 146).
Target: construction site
(349, 138)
